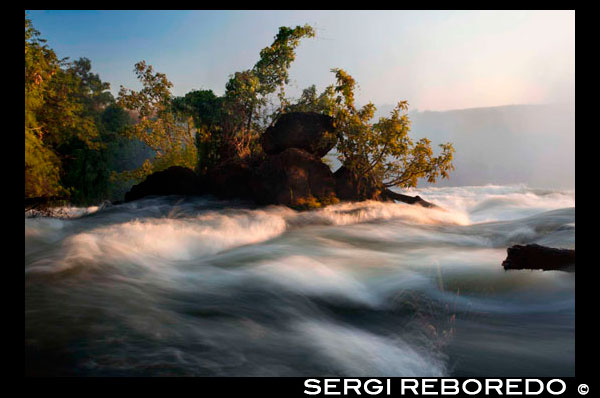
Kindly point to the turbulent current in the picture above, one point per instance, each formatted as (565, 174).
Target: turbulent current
(201, 287)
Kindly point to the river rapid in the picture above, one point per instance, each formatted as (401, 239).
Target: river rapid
(200, 287)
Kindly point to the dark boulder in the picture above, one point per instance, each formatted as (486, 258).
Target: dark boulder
(175, 180)
(352, 188)
(231, 179)
(540, 257)
(310, 131)
(294, 178)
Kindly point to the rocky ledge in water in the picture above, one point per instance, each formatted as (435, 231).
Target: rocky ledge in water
(175, 180)
(290, 172)
(539, 257)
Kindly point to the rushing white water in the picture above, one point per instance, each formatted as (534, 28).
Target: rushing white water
(166, 286)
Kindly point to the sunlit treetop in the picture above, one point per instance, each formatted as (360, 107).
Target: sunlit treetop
(383, 150)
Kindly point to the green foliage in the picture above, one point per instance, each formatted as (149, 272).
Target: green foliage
(309, 101)
(68, 113)
(62, 103)
(71, 123)
(203, 105)
(82, 144)
(42, 168)
(158, 124)
(85, 147)
(90, 90)
(77, 140)
(114, 119)
(247, 92)
(223, 127)
(42, 165)
(383, 150)
(275, 60)
(206, 110)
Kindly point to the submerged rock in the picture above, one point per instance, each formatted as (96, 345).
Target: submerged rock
(540, 257)
(294, 178)
(175, 180)
(309, 131)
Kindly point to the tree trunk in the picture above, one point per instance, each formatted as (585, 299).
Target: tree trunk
(407, 199)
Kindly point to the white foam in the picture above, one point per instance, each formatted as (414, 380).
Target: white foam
(497, 202)
(352, 213)
(148, 240)
(42, 227)
(195, 233)
(360, 353)
(312, 277)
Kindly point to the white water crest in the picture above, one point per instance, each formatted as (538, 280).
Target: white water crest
(201, 287)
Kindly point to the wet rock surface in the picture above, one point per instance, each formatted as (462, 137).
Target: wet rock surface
(538, 257)
(290, 172)
(292, 178)
(309, 131)
(175, 180)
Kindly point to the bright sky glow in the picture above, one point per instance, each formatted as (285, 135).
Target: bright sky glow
(437, 60)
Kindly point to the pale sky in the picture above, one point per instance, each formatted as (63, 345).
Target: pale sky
(437, 60)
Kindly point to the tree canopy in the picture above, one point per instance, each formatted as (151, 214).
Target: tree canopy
(42, 165)
(382, 150)
(65, 139)
(158, 125)
(83, 144)
(247, 92)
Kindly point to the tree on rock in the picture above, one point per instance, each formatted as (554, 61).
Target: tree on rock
(381, 154)
(247, 92)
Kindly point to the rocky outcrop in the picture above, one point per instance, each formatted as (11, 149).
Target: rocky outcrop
(290, 172)
(349, 187)
(175, 180)
(352, 188)
(231, 179)
(309, 131)
(294, 178)
(539, 257)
